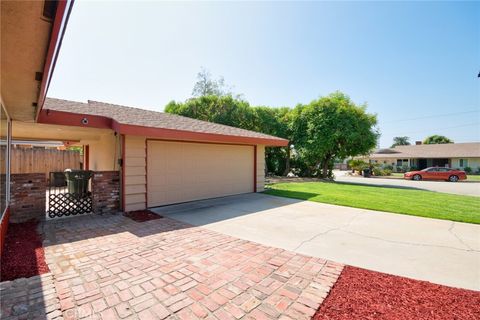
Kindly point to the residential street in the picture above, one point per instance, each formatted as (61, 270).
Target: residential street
(439, 251)
(463, 188)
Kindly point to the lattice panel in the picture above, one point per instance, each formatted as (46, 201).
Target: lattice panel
(67, 204)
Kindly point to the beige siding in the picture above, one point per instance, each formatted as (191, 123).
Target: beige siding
(260, 168)
(180, 172)
(104, 152)
(473, 163)
(135, 173)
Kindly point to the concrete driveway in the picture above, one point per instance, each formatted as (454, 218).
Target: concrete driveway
(439, 251)
(469, 188)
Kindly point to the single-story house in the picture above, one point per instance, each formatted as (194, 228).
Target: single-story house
(139, 158)
(163, 158)
(421, 156)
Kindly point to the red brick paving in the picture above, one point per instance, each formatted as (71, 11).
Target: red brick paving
(111, 267)
(364, 294)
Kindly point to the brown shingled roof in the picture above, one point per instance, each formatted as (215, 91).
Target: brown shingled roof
(151, 119)
(449, 150)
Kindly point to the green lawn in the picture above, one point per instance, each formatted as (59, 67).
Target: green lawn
(397, 175)
(473, 177)
(398, 200)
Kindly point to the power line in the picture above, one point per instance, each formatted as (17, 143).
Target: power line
(438, 129)
(433, 116)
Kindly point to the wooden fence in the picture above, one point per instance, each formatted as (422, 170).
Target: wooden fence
(36, 160)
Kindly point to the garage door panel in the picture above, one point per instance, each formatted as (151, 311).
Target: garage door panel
(180, 172)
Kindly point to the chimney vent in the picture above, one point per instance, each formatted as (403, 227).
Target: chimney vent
(418, 143)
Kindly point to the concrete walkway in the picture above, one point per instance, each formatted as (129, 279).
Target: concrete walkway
(439, 251)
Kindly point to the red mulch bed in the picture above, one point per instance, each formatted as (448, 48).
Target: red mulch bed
(364, 294)
(142, 215)
(22, 255)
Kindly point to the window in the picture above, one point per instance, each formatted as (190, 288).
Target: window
(401, 162)
(432, 170)
(463, 163)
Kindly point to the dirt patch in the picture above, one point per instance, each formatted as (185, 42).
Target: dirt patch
(364, 294)
(142, 215)
(23, 254)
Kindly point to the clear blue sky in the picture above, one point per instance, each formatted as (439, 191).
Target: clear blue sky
(405, 60)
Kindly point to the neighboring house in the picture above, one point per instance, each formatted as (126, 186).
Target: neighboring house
(163, 158)
(421, 156)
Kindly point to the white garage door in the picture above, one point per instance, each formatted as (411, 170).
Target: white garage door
(181, 171)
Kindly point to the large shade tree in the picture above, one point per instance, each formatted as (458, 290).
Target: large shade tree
(206, 85)
(400, 141)
(437, 139)
(329, 128)
(235, 112)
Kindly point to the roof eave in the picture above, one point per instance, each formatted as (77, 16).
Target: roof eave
(62, 14)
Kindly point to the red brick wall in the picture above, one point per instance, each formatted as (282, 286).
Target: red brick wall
(106, 191)
(27, 196)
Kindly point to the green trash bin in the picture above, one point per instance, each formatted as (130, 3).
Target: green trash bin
(367, 172)
(77, 182)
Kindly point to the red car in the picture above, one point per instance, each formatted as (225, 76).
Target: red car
(436, 173)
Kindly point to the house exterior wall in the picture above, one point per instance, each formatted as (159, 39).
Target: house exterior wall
(135, 180)
(473, 163)
(260, 158)
(103, 152)
(135, 171)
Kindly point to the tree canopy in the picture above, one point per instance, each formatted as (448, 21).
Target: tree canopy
(329, 128)
(437, 139)
(206, 85)
(400, 141)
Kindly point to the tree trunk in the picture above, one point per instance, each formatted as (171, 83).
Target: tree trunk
(287, 161)
(325, 167)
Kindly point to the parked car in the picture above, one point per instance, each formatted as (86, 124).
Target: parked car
(436, 173)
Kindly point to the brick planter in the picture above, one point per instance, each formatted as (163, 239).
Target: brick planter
(28, 196)
(106, 192)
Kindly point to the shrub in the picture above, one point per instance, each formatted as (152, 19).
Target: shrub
(468, 170)
(381, 172)
(358, 165)
(388, 167)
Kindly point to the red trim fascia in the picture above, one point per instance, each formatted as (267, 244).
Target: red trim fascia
(4, 227)
(201, 142)
(123, 171)
(55, 42)
(74, 119)
(255, 168)
(101, 122)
